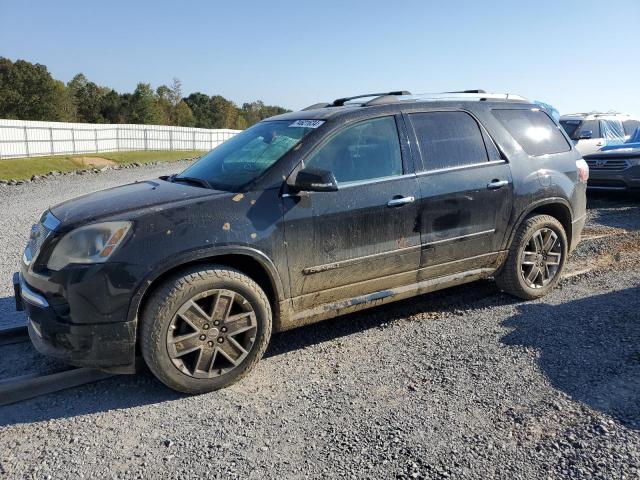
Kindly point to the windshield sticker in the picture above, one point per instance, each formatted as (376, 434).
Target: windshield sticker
(307, 123)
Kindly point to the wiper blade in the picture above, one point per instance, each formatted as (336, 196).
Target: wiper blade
(196, 181)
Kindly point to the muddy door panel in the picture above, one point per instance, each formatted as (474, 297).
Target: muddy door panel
(463, 218)
(466, 191)
(340, 243)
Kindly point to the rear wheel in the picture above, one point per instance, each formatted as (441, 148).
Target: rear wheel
(205, 329)
(536, 258)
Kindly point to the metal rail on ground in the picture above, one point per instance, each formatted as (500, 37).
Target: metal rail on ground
(25, 387)
(16, 334)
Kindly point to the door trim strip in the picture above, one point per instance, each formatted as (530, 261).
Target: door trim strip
(400, 251)
(353, 261)
(460, 238)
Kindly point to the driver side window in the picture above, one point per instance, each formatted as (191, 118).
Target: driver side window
(364, 151)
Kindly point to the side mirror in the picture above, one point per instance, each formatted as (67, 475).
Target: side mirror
(313, 180)
(585, 135)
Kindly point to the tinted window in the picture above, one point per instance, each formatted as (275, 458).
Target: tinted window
(247, 155)
(364, 151)
(570, 126)
(448, 139)
(630, 126)
(592, 126)
(536, 133)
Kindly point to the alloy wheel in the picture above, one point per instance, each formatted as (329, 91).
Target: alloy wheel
(211, 333)
(541, 258)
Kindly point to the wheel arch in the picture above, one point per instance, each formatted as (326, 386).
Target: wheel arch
(253, 263)
(558, 208)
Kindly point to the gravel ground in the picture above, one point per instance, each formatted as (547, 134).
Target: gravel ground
(463, 383)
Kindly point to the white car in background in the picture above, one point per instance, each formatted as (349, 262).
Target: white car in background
(592, 131)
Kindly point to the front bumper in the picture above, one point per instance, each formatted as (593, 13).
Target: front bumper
(73, 322)
(97, 346)
(627, 179)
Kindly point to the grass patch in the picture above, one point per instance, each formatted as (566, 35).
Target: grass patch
(23, 168)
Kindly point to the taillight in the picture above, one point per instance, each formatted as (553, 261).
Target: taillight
(583, 170)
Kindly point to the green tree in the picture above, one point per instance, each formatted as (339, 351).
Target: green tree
(256, 111)
(183, 116)
(111, 107)
(175, 92)
(165, 108)
(252, 112)
(241, 123)
(89, 103)
(94, 104)
(144, 107)
(27, 91)
(199, 104)
(224, 113)
(65, 104)
(169, 100)
(124, 112)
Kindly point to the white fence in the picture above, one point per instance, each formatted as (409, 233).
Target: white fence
(21, 138)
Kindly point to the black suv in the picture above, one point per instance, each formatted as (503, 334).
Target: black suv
(302, 217)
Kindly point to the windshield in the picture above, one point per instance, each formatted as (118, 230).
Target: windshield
(246, 156)
(570, 126)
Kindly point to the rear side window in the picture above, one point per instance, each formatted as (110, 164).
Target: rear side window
(448, 139)
(571, 127)
(630, 126)
(536, 133)
(592, 126)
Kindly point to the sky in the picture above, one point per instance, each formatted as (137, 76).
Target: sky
(575, 55)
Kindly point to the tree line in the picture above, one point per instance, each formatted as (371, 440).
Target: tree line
(29, 92)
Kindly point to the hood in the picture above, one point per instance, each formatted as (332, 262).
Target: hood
(127, 198)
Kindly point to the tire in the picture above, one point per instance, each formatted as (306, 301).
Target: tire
(211, 311)
(520, 265)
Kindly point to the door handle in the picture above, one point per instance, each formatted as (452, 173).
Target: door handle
(496, 184)
(396, 202)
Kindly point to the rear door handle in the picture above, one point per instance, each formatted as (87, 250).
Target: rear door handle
(496, 184)
(396, 202)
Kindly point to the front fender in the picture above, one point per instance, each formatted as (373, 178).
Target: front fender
(200, 255)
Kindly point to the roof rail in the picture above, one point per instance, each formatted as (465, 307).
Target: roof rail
(405, 96)
(594, 113)
(382, 100)
(339, 102)
(478, 96)
(316, 105)
(604, 114)
(478, 90)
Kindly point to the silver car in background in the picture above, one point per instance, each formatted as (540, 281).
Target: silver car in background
(592, 131)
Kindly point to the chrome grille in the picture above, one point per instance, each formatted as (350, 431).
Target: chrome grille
(39, 233)
(610, 164)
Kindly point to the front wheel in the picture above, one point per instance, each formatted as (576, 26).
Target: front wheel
(536, 258)
(205, 329)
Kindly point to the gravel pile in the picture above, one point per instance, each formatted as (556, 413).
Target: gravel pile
(463, 383)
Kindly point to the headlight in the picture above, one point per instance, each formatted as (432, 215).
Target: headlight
(90, 244)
